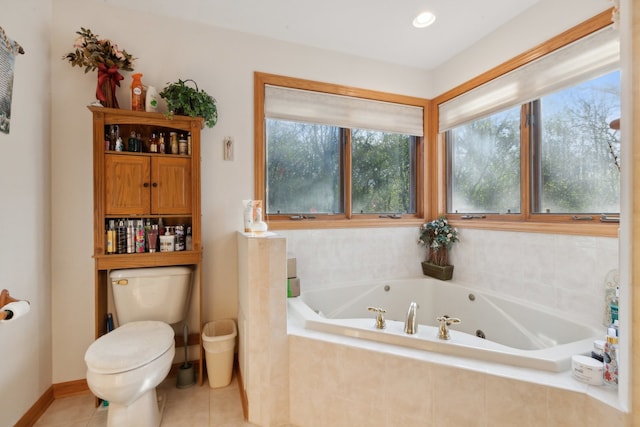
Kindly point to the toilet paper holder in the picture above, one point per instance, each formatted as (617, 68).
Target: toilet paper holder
(12, 308)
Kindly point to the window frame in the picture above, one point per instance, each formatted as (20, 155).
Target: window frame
(424, 157)
(525, 220)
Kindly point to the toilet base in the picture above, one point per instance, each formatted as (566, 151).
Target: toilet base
(144, 412)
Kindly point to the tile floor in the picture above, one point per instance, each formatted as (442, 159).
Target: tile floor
(195, 406)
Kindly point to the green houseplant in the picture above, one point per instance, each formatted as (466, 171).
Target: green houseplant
(188, 101)
(438, 236)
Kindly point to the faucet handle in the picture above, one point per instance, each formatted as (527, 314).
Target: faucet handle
(446, 321)
(380, 323)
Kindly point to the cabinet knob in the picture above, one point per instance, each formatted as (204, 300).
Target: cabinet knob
(145, 185)
(154, 185)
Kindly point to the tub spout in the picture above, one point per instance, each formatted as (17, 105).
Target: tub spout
(410, 323)
(380, 323)
(445, 322)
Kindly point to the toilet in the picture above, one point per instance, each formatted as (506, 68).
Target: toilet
(125, 366)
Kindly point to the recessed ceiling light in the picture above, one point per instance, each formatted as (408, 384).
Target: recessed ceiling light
(424, 20)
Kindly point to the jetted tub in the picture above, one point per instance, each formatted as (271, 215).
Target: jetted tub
(493, 329)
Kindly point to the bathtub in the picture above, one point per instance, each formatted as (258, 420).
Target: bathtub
(492, 328)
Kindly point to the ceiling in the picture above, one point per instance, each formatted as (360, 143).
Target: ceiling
(375, 29)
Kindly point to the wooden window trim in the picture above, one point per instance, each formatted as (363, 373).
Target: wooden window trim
(346, 220)
(526, 221)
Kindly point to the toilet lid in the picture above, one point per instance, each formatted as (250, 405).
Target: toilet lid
(128, 347)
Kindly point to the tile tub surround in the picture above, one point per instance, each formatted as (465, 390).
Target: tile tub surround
(367, 385)
(562, 272)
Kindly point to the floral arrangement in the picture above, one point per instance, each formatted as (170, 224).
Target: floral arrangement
(93, 53)
(439, 236)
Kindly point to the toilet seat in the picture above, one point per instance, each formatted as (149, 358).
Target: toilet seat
(129, 347)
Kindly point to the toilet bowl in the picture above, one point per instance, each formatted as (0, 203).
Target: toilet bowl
(124, 368)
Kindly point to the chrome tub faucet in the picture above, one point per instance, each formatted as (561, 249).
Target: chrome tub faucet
(410, 323)
(446, 321)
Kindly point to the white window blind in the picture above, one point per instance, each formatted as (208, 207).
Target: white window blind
(344, 111)
(582, 60)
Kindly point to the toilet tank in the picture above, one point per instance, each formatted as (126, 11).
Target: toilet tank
(154, 293)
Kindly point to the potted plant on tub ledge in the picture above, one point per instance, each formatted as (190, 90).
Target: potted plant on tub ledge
(438, 236)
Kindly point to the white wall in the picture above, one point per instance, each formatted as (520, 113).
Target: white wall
(222, 62)
(25, 214)
(542, 21)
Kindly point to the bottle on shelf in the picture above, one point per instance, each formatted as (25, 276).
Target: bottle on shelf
(162, 146)
(111, 238)
(121, 233)
(137, 93)
(153, 143)
(151, 99)
(131, 237)
(173, 139)
(133, 143)
(189, 240)
(182, 145)
(152, 238)
(140, 236)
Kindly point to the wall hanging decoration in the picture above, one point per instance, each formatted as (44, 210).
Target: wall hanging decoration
(104, 55)
(8, 51)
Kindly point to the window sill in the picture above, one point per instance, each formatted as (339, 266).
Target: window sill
(312, 224)
(592, 228)
(595, 229)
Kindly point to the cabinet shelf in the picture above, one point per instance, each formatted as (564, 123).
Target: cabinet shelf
(147, 259)
(146, 154)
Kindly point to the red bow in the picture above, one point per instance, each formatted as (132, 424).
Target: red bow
(112, 76)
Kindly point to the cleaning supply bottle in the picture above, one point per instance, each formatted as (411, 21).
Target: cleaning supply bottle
(611, 357)
(259, 226)
(137, 93)
(613, 307)
(151, 102)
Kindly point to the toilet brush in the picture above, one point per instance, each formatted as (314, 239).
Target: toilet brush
(186, 373)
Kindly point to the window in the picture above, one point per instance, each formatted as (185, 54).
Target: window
(303, 168)
(575, 164)
(530, 143)
(383, 173)
(484, 165)
(306, 171)
(574, 155)
(323, 156)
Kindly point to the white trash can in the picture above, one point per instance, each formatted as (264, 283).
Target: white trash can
(219, 342)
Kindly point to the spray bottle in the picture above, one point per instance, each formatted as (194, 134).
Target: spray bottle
(137, 93)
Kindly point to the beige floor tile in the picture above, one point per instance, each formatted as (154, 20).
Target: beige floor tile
(195, 406)
(68, 411)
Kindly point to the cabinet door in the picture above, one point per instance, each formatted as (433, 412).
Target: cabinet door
(171, 185)
(127, 181)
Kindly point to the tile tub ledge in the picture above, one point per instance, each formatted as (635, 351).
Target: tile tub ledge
(560, 380)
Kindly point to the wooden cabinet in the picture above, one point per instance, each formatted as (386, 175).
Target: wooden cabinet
(153, 187)
(147, 185)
